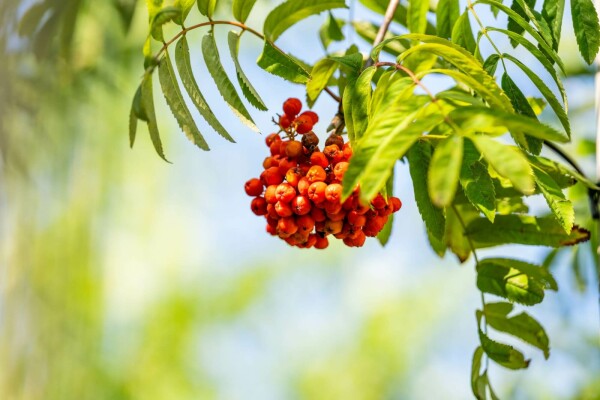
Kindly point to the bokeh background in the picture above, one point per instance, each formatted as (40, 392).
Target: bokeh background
(124, 277)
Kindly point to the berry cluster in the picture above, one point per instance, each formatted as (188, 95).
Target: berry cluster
(299, 192)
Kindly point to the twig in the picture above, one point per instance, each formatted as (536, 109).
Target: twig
(387, 20)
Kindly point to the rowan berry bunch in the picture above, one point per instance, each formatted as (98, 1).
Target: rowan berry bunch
(300, 191)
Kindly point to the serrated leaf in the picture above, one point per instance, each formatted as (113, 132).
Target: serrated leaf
(419, 158)
(524, 229)
(477, 183)
(491, 63)
(320, 75)
(561, 207)
(522, 325)
(242, 8)
(508, 161)
(164, 16)
(503, 354)
(522, 106)
(513, 26)
(247, 89)
(184, 67)
(387, 139)
(207, 7)
(514, 280)
(353, 62)
(176, 102)
(447, 13)
(292, 11)
(278, 63)
(331, 31)
(185, 6)
(552, 12)
(511, 205)
(416, 20)
(148, 107)
(360, 92)
(226, 88)
(444, 170)
(478, 391)
(546, 92)
(587, 28)
(462, 34)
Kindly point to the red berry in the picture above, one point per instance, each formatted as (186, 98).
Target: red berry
(273, 137)
(313, 116)
(294, 149)
(271, 176)
(316, 192)
(333, 193)
(292, 107)
(304, 124)
(285, 121)
(301, 205)
(285, 193)
(259, 206)
(253, 187)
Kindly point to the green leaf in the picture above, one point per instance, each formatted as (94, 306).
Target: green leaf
(444, 170)
(132, 127)
(516, 7)
(462, 34)
(419, 158)
(387, 139)
(185, 6)
(360, 93)
(524, 229)
(514, 280)
(587, 28)
(447, 13)
(278, 63)
(242, 8)
(400, 15)
(552, 12)
(510, 205)
(522, 325)
(331, 31)
(458, 96)
(247, 89)
(546, 92)
(164, 16)
(137, 112)
(320, 75)
(384, 235)
(477, 183)
(478, 390)
(153, 6)
(416, 21)
(454, 235)
(207, 7)
(561, 207)
(288, 13)
(508, 161)
(503, 354)
(353, 61)
(176, 102)
(491, 63)
(148, 107)
(184, 67)
(226, 88)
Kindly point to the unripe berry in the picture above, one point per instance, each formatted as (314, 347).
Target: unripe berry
(283, 209)
(340, 169)
(259, 206)
(273, 137)
(336, 139)
(316, 173)
(285, 192)
(292, 107)
(285, 122)
(287, 225)
(318, 158)
(301, 205)
(253, 187)
(294, 149)
(316, 192)
(333, 193)
(312, 115)
(303, 185)
(304, 124)
(271, 176)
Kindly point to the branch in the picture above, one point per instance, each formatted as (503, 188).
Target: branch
(387, 20)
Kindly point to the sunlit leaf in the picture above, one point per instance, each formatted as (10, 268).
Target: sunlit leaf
(447, 13)
(292, 11)
(278, 63)
(368, 31)
(184, 67)
(224, 85)
(331, 31)
(561, 207)
(462, 34)
(491, 63)
(552, 12)
(176, 102)
(416, 20)
(444, 170)
(477, 183)
(587, 28)
(503, 354)
(360, 92)
(320, 75)
(185, 6)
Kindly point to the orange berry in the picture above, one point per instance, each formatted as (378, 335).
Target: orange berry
(312, 241)
(273, 137)
(285, 164)
(301, 205)
(316, 192)
(316, 173)
(294, 149)
(356, 219)
(274, 147)
(287, 225)
(333, 192)
(271, 176)
(396, 204)
(270, 162)
(283, 209)
(322, 243)
(318, 158)
(333, 153)
(292, 107)
(259, 206)
(347, 150)
(303, 185)
(270, 194)
(336, 217)
(253, 187)
(271, 212)
(332, 207)
(285, 192)
(305, 223)
(340, 169)
(293, 176)
(272, 230)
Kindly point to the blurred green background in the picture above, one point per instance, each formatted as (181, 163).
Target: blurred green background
(123, 277)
